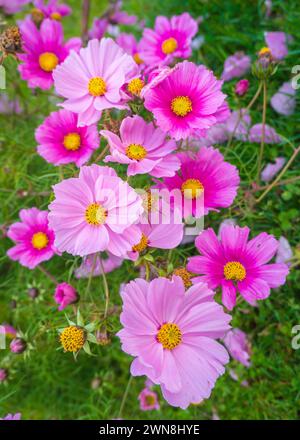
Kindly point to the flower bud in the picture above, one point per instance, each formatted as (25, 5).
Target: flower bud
(17, 346)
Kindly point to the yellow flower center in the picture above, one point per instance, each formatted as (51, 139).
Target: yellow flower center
(192, 188)
(234, 271)
(150, 400)
(169, 336)
(72, 141)
(181, 105)
(136, 152)
(72, 338)
(48, 61)
(169, 46)
(264, 51)
(95, 214)
(39, 240)
(184, 275)
(135, 86)
(97, 86)
(56, 16)
(142, 245)
(137, 58)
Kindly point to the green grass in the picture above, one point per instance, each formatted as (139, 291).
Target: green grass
(48, 384)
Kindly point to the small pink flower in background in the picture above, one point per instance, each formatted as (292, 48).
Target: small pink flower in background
(91, 266)
(277, 43)
(284, 101)
(8, 106)
(235, 66)
(64, 295)
(226, 222)
(18, 346)
(16, 416)
(171, 333)
(44, 51)
(3, 374)
(52, 9)
(241, 87)
(236, 264)
(148, 400)
(271, 137)
(99, 28)
(171, 38)
(95, 212)
(130, 45)
(241, 131)
(121, 17)
(271, 169)
(92, 80)
(238, 346)
(205, 181)
(33, 237)
(187, 101)
(284, 251)
(12, 6)
(61, 141)
(9, 331)
(143, 148)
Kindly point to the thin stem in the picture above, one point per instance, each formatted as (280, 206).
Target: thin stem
(48, 274)
(280, 183)
(91, 275)
(106, 290)
(102, 154)
(288, 164)
(125, 395)
(262, 143)
(86, 5)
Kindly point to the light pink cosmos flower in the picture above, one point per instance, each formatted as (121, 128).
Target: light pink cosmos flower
(284, 251)
(239, 122)
(143, 148)
(187, 101)
(284, 101)
(205, 181)
(92, 80)
(238, 346)
(122, 17)
(277, 43)
(148, 400)
(271, 169)
(16, 416)
(61, 141)
(64, 295)
(44, 50)
(171, 38)
(91, 265)
(130, 45)
(235, 66)
(99, 28)
(271, 137)
(236, 264)
(95, 212)
(171, 333)
(52, 9)
(33, 237)
(12, 6)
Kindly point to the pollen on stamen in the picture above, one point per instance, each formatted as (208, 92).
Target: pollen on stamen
(48, 61)
(234, 271)
(142, 245)
(95, 214)
(97, 86)
(169, 335)
(169, 46)
(39, 240)
(72, 141)
(181, 105)
(135, 86)
(136, 152)
(192, 188)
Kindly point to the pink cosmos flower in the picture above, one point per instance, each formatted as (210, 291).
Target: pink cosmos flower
(44, 50)
(271, 137)
(13, 6)
(8, 330)
(235, 66)
(95, 212)
(271, 169)
(92, 80)
(61, 141)
(171, 333)
(284, 251)
(170, 39)
(284, 101)
(18, 346)
(91, 264)
(277, 43)
(205, 182)
(130, 45)
(241, 131)
(99, 28)
(188, 101)
(148, 400)
(52, 9)
(241, 87)
(238, 346)
(143, 147)
(236, 264)
(16, 416)
(64, 295)
(121, 17)
(34, 238)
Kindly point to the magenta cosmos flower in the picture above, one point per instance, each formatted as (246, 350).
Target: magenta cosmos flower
(95, 212)
(171, 333)
(170, 39)
(238, 346)
(44, 50)
(16, 416)
(148, 400)
(188, 101)
(92, 80)
(143, 148)
(61, 141)
(130, 45)
(235, 66)
(34, 238)
(236, 264)
(64, 295)
(204, 183)
(52, 9)
(12, 6)
(98, 28)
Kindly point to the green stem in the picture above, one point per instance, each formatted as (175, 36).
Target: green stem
(106, 290)
(48, 274)
(125, 397)
(262, 144)
(87, 290)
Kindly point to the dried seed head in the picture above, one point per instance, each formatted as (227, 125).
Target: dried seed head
(11, 41)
